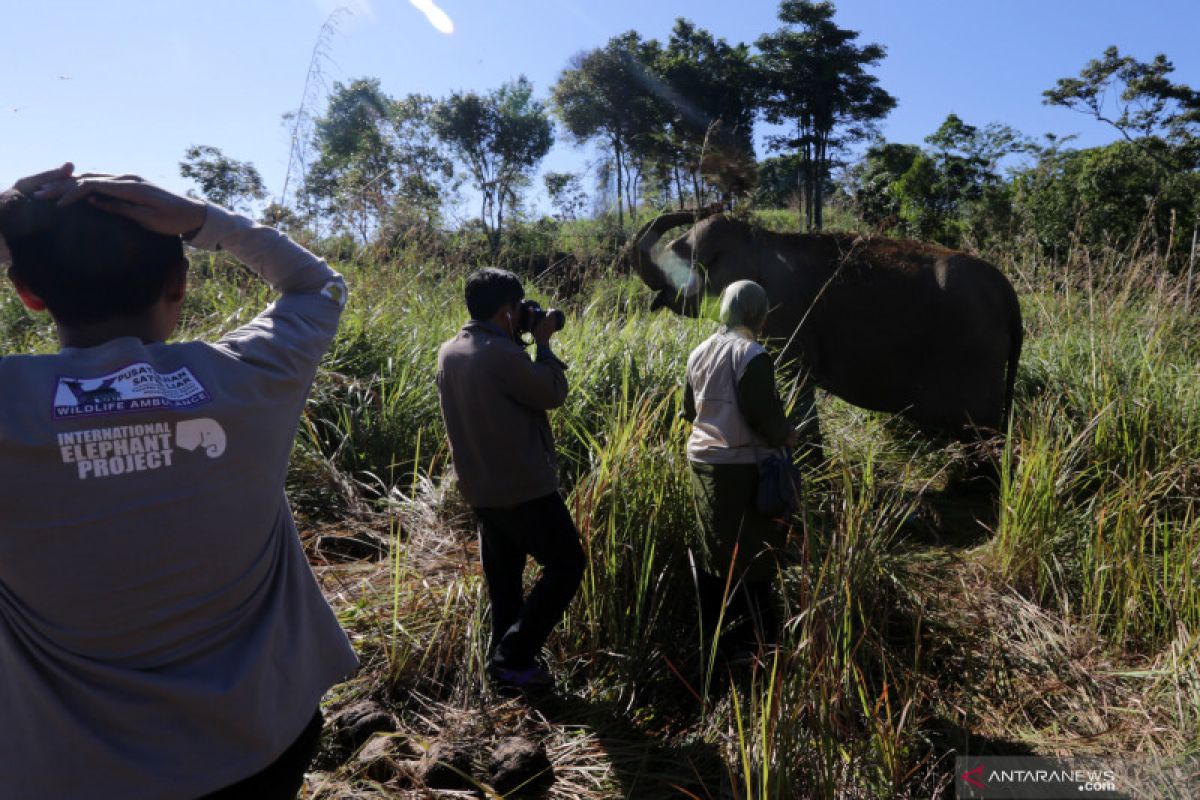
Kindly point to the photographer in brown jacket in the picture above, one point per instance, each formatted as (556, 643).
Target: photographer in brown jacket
(494, 401)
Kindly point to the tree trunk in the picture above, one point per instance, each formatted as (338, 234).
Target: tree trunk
(678, 185)
(499, 224)
(632, 181)
(620, 185)
(819, 185)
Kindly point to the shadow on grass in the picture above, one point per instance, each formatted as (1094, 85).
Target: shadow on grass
(644, 765)
(956, 518)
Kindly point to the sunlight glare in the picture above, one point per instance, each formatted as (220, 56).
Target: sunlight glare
(437, 18)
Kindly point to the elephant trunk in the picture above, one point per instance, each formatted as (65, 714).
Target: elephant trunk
(669, 293)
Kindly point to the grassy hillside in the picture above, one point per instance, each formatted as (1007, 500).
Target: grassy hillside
(1061, 618)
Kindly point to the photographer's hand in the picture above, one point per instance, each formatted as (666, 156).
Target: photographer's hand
(544, 330)
(150, 206)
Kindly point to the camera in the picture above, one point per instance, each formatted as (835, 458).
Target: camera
(531, 314)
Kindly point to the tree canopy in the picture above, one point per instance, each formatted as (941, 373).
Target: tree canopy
(1140, 101)
(222, 180)
(816, 79)
(373, 154)
(607, 94)
(500, 137)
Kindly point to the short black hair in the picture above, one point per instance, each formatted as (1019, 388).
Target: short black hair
(85, 264)
(489, 289)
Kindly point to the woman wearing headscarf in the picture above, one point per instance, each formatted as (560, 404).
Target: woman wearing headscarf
(737, 420)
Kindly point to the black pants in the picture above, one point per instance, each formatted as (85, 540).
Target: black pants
(543, 529)
(750, 616)
(283, 778)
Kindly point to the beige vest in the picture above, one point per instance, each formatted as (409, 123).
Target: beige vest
(720, 434)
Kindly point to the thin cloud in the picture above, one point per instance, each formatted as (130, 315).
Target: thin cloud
(437, 18)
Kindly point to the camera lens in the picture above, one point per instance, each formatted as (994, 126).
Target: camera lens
(532, 313)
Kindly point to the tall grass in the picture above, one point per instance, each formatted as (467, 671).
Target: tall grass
(1097, 522)
(1099, 505)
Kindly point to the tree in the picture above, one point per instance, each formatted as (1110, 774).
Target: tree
(373, 153)
(816, 79)
(566, 194)
(871, 183)
(1105, 196)
(223, 180)
(1150, 111)
(607, 95)
(501, 137)
(1120, 188)
(711, 91)
(956, 187)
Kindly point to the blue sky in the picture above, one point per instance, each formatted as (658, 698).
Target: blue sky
(129, 84)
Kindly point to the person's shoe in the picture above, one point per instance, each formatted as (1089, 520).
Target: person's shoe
(528, 679)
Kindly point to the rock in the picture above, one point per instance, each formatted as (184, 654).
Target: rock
(353, 725)
(356, 547)
(377, 759)
(520, 767)
(447, 765)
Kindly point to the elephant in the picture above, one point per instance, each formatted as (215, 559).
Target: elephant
(902, 327)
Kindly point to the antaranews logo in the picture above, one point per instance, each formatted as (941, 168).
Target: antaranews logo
(1031, 777)
(973, 776)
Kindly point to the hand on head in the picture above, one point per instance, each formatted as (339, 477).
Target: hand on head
(154, 208)
(31, 183)
(150, 206)
(28, 185)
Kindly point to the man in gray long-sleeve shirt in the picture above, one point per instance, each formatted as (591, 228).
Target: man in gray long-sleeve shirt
(161, 633)
(494, 400)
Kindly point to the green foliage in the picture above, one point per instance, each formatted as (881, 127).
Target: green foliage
(566, 194)
(871, 183)
(1113, 196)
(1150, 110)
(950, 193)
(605, 94)
(779, 182)
(816, 78)
(501, 137)
(710, 92)
(374, 154)
(1140, 192)
(223, 180)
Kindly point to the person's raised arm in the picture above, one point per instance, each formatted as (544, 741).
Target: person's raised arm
(540, 384)
(292, 333)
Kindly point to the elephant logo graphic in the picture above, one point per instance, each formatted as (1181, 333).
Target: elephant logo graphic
(203, 432)
(104, 393)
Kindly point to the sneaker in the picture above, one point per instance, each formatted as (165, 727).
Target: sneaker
(532, 678)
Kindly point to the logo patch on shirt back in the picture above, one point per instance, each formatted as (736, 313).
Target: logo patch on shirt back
(136, 387)
(128, 449)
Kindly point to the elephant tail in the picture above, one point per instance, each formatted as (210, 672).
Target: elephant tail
(1016, 339)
